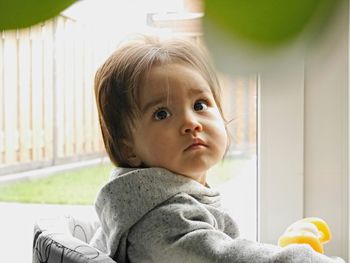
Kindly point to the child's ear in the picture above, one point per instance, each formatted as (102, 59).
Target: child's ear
(130, 156)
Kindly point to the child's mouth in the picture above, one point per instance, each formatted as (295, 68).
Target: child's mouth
(197, 143)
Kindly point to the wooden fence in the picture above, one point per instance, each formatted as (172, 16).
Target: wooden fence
(47, 107)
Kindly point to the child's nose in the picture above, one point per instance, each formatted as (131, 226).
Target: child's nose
(191, 125)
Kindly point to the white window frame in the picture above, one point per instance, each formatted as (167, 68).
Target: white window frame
(304, 139)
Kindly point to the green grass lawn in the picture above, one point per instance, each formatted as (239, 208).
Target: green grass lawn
(81, 186)
(70, 187)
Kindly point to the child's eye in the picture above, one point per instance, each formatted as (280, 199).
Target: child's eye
(200, 105)
(161, 114)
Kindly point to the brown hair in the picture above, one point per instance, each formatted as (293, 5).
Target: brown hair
(117, 82)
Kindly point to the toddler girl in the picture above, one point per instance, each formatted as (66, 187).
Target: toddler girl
(163, 127)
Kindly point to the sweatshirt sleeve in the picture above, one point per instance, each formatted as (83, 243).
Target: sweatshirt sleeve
(183, 230)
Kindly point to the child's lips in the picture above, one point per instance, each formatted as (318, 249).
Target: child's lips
(197, 143)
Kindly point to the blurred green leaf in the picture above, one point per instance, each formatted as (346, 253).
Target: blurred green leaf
(267, 22)
(24, 13)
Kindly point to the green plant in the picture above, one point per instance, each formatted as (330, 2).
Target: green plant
(267, 23)
(24, 13)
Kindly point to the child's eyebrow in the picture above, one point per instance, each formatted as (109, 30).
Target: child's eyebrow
(153, 102)
(164, 99)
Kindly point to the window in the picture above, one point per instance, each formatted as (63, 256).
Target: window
(236, 176)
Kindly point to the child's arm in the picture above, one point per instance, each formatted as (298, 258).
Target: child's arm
(182, 230)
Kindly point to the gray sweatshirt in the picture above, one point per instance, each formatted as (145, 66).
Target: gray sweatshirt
(153, 215)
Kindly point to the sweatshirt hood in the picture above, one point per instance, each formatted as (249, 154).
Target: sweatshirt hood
(132, 193)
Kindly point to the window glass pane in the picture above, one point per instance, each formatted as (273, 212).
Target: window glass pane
(236, 176)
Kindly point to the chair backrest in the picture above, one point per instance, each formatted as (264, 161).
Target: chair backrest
(66, 240)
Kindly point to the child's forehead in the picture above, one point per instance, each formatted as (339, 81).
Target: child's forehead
(175, 73)
(171, 95)
(163, 78)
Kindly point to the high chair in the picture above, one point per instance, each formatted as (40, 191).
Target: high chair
(66, 240)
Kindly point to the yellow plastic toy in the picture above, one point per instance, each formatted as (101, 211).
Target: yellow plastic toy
(311, 230)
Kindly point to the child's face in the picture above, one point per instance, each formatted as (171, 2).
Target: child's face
(180, 128)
